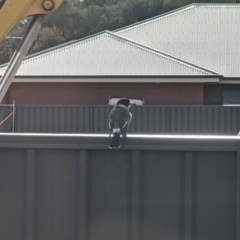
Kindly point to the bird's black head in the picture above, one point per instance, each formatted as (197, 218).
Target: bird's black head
(124, 101)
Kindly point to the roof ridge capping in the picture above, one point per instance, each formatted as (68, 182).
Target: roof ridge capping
(177, 10)
(180, 61)
(215, 4)
(65, 44)
(60, 46)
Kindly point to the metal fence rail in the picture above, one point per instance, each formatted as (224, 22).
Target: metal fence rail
(73, 187)
(146, 119)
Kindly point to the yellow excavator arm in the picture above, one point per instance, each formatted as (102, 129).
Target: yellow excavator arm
(11, 12)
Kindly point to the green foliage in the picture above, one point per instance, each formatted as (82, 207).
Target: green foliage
(138, 10)
(5, 51)
(47, 38)
(78, 22)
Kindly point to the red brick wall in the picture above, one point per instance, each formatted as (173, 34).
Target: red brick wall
(98, 93)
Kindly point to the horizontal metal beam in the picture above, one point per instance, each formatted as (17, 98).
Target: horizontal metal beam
(133, 142)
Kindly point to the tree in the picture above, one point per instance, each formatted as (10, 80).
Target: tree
(5, 51)
(47, 38)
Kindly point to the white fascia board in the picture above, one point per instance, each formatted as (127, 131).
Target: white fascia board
(116, 80)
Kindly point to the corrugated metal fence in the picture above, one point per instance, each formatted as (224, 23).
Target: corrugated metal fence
(6, 125)
(75, 188)
(146, 119)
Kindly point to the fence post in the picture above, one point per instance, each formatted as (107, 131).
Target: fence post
(238, 194)
(13, 121)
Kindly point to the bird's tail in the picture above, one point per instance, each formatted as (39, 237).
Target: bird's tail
(115, 141)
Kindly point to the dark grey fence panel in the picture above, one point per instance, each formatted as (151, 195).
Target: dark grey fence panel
(55, 195)
(191, 119)
(160, 202)
(54, 119)
(146, 119)
(210, 167)
(149, 119)
(74, 188)
(100, 119)
(6, 126)
(12, 182)
(205, 120)
(109, 201)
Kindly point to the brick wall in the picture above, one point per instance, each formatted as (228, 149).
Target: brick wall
(98, 93)
(214, 92)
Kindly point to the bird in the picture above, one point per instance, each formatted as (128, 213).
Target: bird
(119, 120)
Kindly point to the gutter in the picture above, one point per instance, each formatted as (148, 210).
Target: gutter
(116, 79)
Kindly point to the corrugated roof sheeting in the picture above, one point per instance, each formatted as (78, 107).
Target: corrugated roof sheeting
(205, 35)
(105, 54)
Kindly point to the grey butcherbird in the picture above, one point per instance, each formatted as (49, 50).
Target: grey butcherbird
(119, 120)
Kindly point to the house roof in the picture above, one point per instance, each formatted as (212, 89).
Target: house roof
(106, 54)
(206, 35)
(196, 40)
